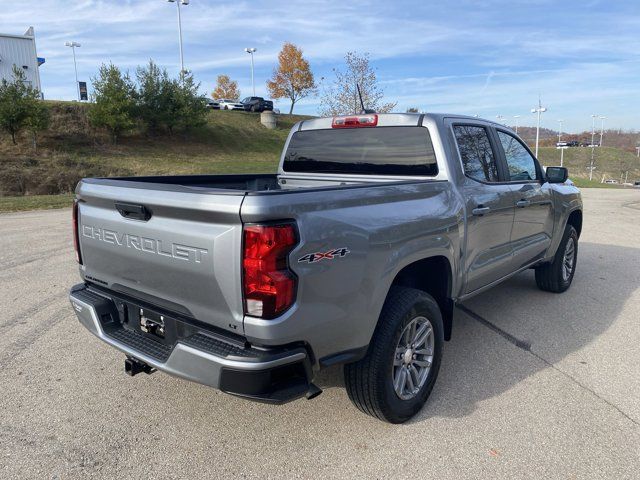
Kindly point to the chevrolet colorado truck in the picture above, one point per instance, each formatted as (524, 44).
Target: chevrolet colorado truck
(355, 252)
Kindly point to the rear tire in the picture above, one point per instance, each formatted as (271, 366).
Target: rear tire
(375, 384)
(557, 275)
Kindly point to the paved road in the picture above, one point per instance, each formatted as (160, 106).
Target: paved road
(568, 406)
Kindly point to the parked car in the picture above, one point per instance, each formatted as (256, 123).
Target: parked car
(226, 104)
(611, 181)
(355, 253)
(257, 104)
(212, 104)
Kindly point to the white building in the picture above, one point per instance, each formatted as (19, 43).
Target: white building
(20, 50)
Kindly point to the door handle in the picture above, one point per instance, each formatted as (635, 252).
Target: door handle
(523, 203)
(480, 210)
(136, 212)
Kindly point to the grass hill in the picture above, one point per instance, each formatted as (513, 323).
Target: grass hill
(230, 142)
(610, 162)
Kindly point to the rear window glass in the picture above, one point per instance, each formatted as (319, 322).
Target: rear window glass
(374, 151)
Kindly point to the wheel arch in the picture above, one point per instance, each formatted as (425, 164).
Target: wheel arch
(575, 220)
(434, 276)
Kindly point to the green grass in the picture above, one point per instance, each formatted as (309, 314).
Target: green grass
(35, 202)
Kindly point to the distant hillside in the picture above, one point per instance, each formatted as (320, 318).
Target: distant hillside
(626, 140)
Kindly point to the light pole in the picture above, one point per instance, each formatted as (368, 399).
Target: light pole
(593, 133)
(73, 46)
(601, 129)
(500, 118)
(516, 117)
(638, 151)
(251, 51)
(538, 111)
(560, 130)
(178, 3)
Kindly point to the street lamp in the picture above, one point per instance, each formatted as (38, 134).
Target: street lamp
(592, 166)
(73, 46)
(540, 109)
(560, 130)
(601, 129)
(562, 148)
(251, 51)
(178, 3)
(500, 118)
(516, 118)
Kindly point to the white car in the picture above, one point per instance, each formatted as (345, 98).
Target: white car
(226, 104)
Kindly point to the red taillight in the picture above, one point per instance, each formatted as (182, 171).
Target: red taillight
(355, 121)
(269, 286)
(76, 237)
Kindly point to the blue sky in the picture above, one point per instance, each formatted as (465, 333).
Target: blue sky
(473, 57)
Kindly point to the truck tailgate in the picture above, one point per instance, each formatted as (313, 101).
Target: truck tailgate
(175, 249)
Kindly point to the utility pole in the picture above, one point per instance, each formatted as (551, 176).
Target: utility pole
(538, 111)
(638, 151)
(601, 129)
(516, 118)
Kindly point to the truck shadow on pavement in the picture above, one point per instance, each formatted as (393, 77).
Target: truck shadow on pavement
(480, 362)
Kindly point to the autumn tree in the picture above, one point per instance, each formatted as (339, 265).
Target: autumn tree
(341, 97)
(292, 78)
(226, 88)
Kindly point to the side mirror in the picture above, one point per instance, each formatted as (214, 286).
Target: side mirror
(557, 174)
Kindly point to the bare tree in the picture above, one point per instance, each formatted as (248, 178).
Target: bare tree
(341, 97)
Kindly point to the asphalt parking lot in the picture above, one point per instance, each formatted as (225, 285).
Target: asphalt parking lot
(533, 385)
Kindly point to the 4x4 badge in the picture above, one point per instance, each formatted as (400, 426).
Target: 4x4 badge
(329, 255)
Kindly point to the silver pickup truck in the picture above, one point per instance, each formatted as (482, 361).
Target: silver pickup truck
(354, 253)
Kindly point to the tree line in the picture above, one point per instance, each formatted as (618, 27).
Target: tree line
(154, 101)
(159, 103)
(293, 79)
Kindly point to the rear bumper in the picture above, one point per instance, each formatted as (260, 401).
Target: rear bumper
(276, 375)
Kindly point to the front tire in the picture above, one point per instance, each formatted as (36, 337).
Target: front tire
(557, 275)
(393, 381)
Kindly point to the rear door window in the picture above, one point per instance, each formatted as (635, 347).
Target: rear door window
(372, 150)
(477, 155)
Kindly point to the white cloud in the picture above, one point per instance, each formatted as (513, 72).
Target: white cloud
(490, 57)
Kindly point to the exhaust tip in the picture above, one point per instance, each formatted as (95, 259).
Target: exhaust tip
(313, 391)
